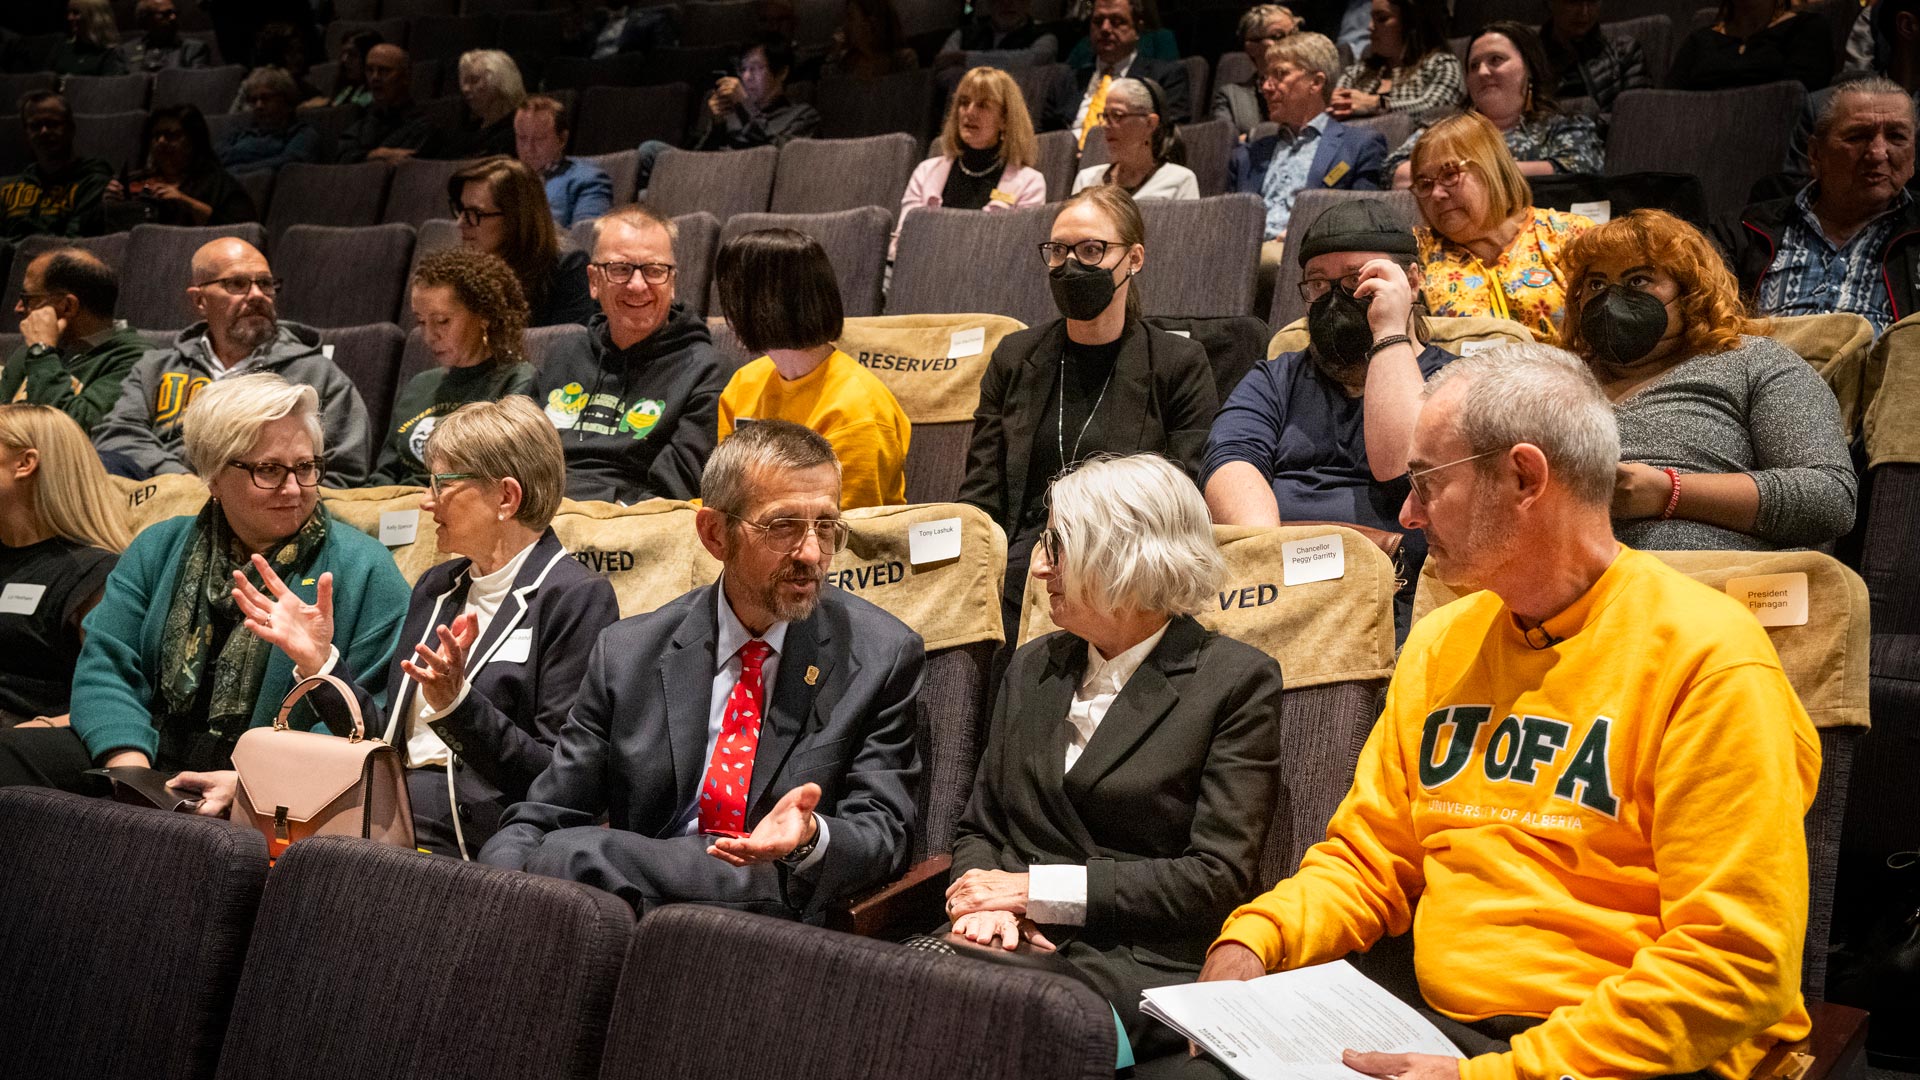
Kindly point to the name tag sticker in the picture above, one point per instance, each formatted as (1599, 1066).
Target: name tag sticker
(1319, 558)
(1468, 348)
(1188, 334)
(1004, 197)
(1601, 212)
(934, 541)
(326, 351)
(23, 599)
(1774, 599)
(969, 342)
(399, 527)
(1334, 174)
(517, 647)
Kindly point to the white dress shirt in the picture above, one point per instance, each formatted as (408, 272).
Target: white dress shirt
(1118, 71)
(1058, 893)
(485, 594)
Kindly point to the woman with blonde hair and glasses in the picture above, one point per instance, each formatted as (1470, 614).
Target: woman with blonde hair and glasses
(984, 157)
(502, 209)
(491, 91)
(90, 45)
(496, 641)
(1486, 249)
(60, 534)
(169, 675)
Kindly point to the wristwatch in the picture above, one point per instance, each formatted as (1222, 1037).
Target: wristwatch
(799, 855)
(37, 350)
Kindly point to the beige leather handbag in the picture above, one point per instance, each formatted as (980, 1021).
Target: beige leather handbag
(295, 784)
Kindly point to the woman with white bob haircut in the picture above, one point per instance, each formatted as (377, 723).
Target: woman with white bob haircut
(1120, 811)
(170, 676)
(496, 641)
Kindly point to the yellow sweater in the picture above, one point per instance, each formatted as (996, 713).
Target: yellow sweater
(1606, 832)
(844, 402)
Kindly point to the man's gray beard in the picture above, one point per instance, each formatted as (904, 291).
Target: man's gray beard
(252, 331)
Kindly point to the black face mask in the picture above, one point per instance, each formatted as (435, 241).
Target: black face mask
(1337, 326)
(1623, 325)
(1081, 292)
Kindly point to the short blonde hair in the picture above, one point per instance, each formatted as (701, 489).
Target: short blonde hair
(1134, 534)
(97, 24)
(226, 418)
(501, 72)
(1472, 138)
(1019, 146)
(72, 497)
(506, 438)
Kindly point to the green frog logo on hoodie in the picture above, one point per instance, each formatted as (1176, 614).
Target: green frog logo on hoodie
(641, 417)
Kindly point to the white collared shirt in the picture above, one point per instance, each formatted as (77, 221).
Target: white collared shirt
(484, 596)
(1118, 71)
(222, 371)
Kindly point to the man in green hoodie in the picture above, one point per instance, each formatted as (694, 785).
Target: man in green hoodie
(75, 353)
(59, 194)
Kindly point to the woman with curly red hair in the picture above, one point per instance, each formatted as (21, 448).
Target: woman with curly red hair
(472, 318)
(1728, 440)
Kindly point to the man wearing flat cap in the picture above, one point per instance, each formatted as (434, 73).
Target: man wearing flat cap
(1323, 434)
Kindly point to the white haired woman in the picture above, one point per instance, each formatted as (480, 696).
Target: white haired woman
(492, 91)
(1120, 811)
(1143, 151)
(496, 641)
(170, 676)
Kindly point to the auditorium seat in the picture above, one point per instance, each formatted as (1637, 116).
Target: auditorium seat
(111, 249)
(417, 10)
(718, 22)
(615, 118)
(1203, 255)
(393, 31)
(543, 340)
(956, 261)
(1657, 42)
(1059, 158)
(327, 195)
(1307, 208)
(852, 108)
(623, 172)
(1209, 150)
(625, 69)
(734, 353)
(1234, 344)
(90, 95)
(818, 176)
(888, 1011)
(1199, 105)
(123, 938)
(343, 277)
(16, 85)
(419, 191)
(155, 297)
(855, 242)
(1839, 345)
(259, 188)
(1394, 127)
(444, 36)
(211, 90)
(1038, 83)
(112, 137)
(1728, 138)
(1234, 69)
(694, 251)
(723, 182)
(372, 960)
(370, 357)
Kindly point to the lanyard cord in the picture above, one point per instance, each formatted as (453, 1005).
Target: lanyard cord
(1060, 424)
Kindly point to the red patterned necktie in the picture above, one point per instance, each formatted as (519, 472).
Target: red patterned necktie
(723, 795)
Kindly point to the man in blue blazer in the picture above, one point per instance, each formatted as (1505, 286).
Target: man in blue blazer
(751, 744)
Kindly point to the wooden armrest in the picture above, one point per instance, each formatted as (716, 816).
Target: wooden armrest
(914, 903)
(1833, 1049)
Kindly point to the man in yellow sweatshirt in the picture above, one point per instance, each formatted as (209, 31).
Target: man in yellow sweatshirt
(1589, 777)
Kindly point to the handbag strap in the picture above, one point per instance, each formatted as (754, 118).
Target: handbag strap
(307, 686)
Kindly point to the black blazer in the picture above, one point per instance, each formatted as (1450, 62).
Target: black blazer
(1062, 103)
(1162, 399)
(1168, 805)
(502, 734)
(634, 750)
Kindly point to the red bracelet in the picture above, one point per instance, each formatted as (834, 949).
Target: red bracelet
(1673, 500)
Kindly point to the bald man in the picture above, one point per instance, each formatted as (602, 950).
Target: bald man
(74, 356)
(233, 290)
(394, 127)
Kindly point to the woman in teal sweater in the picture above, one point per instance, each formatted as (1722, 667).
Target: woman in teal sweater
(169, 675)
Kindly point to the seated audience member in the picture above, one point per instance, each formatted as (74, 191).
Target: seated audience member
(491, 93)
(1847, 241)
(1408, 67)
(746, 110)
(1617, 884)
(1118, 53)
(92, 44)
(181, 182)
(454, 682)
(160, 45)
(274, 135)
(60, 533)
(636, 401)
(985, 155)
(1322, 434)
(1755, 42)
(1152, 41)
(74, 355)
(472, 318)
(502, 209)
(1098, 373)
(393, 127)
(58, 193)
(1180, 789)
(169, 676)
(281, 44)
(1509, 84)
(695, 812)
(1002, 34)
(1728, 441)
(350, 76)
(869, 44)
(1143, 152)
(1311, 149)
(576, 190)
(239, 332)
(1895, 54)
(1585, 63)
(1245, 105)
(1486, 249)
(614, 27)
(781, 299)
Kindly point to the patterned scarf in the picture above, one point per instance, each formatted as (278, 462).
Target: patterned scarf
(204, 595)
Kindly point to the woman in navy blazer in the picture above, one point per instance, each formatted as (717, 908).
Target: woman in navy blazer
(495, 643)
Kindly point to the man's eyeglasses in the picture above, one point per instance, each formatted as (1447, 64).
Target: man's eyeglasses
(472, 215)
(1086, 252)
(434, 481)
(1447, 176)
(620, 273)
(1312, 289)
(1419, 479)
(269, 475)
(241, 286)
(784, 536)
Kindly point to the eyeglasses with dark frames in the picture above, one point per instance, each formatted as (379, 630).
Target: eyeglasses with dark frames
(270, 475)
(1313, 289)
(472, 215)
(620, 273)
(785, 535)
(1448, 176)
(1084, 252)
(241, 285)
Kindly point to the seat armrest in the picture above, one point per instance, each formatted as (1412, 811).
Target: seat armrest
(1832, 1051)
(914, 903)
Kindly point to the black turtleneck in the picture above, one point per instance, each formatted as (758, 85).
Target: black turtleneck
(965, 192)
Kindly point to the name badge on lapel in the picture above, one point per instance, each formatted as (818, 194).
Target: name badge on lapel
(1334, 174)
(517, 647)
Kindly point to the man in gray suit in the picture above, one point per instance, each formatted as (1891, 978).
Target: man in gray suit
(744, 751)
